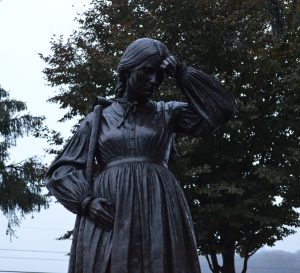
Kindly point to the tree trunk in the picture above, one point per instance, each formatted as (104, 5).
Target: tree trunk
(245, 265)
(213, 263)
(296, 13)
(228, 260)
(216, 267)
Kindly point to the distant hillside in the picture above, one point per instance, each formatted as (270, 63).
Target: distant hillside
(266, 262)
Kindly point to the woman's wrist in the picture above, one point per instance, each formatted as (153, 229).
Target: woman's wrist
(85, 205)
(180, 71)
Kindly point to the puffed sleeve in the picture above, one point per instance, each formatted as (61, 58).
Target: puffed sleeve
(66, 178)
(209, 105)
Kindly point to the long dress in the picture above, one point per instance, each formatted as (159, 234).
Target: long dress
(153, 229)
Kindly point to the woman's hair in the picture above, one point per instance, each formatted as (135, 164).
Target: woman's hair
(137, 52)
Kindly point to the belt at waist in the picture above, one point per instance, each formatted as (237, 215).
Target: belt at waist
(127, 159)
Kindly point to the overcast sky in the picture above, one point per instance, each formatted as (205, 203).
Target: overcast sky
(26, 27)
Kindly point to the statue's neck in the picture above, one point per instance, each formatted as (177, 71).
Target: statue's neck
(130, 98)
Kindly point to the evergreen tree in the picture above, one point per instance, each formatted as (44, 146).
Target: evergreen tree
(243, 183)
(20, 183)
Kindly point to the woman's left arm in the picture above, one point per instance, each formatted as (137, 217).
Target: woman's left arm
(209, 105)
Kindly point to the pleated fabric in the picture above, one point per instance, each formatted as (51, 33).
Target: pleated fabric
(153, 231)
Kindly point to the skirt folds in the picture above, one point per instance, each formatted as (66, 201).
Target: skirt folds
(153, 229)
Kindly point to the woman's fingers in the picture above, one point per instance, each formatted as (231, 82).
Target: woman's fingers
(173, 61)
(164, 64)
(103, 221)
(102, 213)
(169, 65)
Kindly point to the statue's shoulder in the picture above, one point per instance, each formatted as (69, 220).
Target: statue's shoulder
(102, 101)
(90, 117)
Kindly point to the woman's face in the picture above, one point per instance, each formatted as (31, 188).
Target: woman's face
(144, 79)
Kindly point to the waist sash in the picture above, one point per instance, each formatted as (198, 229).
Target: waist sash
(134, 158)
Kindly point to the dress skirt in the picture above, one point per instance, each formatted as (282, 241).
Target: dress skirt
(153, 229)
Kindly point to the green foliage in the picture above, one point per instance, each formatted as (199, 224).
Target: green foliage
(243, 183)
(20, 183)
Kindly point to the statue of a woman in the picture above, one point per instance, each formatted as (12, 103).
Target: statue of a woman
(135, 218)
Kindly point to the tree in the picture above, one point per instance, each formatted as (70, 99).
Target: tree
(20, 183)
(243, 183)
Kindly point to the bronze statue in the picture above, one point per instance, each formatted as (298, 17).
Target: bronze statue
(134, 217)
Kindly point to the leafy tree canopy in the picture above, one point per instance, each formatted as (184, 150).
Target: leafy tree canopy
(20, 183)
(242, 184)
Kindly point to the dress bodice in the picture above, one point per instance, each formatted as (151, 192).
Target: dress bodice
(145, 131)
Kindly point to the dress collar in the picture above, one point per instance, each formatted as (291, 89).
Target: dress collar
(121, 106)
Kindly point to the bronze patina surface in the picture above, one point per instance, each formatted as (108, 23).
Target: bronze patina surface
(134, 217)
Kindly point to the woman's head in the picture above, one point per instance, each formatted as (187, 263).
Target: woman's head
(136, 56)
